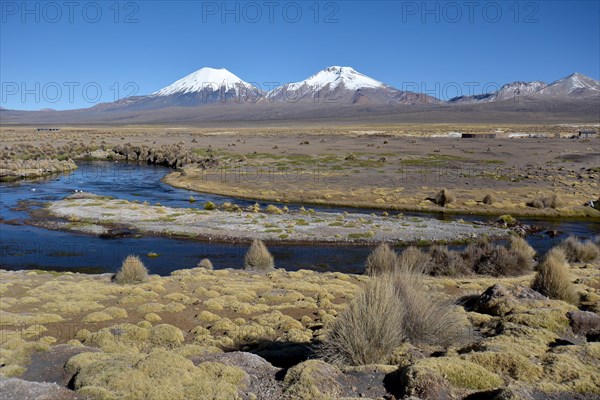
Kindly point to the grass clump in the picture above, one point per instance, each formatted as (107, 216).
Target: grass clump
(382, 260)
(205, 263)
(413, 259)
(132, 270)
(488, 200)
(444, 197)
(579, 251)
(551, 201)
(271, 209)
(447, 262)
(209, 205)
(552, 278)
(386, 312)
(258, 257)
(369, 329)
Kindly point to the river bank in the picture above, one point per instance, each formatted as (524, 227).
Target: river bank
(99, 215)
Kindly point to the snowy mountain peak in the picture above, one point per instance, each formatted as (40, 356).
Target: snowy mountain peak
(210, 79)
(575, 83)
(336, 76)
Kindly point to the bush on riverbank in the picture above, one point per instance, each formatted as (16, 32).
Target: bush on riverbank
(132, 270)
(578, 250)
(552, 278)
(258, 257)
(381, 260)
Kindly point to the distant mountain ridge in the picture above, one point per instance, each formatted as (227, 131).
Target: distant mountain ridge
(211, 94)
(573, 85)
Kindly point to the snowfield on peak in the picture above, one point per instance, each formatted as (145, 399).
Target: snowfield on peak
(210, 79)
(332, 77)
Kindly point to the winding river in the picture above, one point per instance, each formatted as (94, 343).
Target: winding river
(23, 246)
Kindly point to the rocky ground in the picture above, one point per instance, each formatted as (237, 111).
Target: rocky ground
(92, 214)
(228, 334)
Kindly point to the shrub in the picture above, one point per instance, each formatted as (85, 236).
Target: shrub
(382, 260)
(413, 259)
(447, 262)
(552, 278)
(369, 329)
(132, 271)
(205, 263)
(387, 311)
(488, 200)
(501, 261)
(271, 209)
(579, 251)
(258, 257)
(428, 318)
(520, 245)
(209, 205)
(487, 259)
(444, 197)
(551, 201)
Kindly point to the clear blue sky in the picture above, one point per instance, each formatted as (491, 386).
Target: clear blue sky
(402, 43)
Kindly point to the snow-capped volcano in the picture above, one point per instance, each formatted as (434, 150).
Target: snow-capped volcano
(332, 78)
(342, 85)
(207, 79)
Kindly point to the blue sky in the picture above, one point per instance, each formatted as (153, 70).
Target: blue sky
(54, 56)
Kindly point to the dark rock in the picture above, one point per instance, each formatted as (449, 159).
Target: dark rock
(262, 382)
(19, 389)
(584, 323)
(498, 300)
(48, 366)
(424, 384)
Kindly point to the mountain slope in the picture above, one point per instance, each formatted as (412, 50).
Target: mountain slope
(573, 85)
(507, 91)
(343, 85)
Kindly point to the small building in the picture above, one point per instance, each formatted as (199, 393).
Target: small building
(478, 135)
(588, 134)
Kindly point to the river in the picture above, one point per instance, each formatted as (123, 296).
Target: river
(24, 246)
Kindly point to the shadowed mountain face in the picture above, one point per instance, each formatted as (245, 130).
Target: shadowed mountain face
(335, 93)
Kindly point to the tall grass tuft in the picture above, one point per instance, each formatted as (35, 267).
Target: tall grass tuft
(132, 271)
(258, 257)
(413, 260)
(381, 260)
(389, 310)
(205, 263)
(579, 251)
(552, 278)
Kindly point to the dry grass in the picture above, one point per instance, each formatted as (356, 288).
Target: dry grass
(447, 262)
(444, 197)
(258, 257)
(484, 258)
(381, 261)
(579, 251)
(413, 260)
(551, 201)
(428, 318)
(205, 263)
(132, 270)
(389, 310)
(369, 329)
(552, 278)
